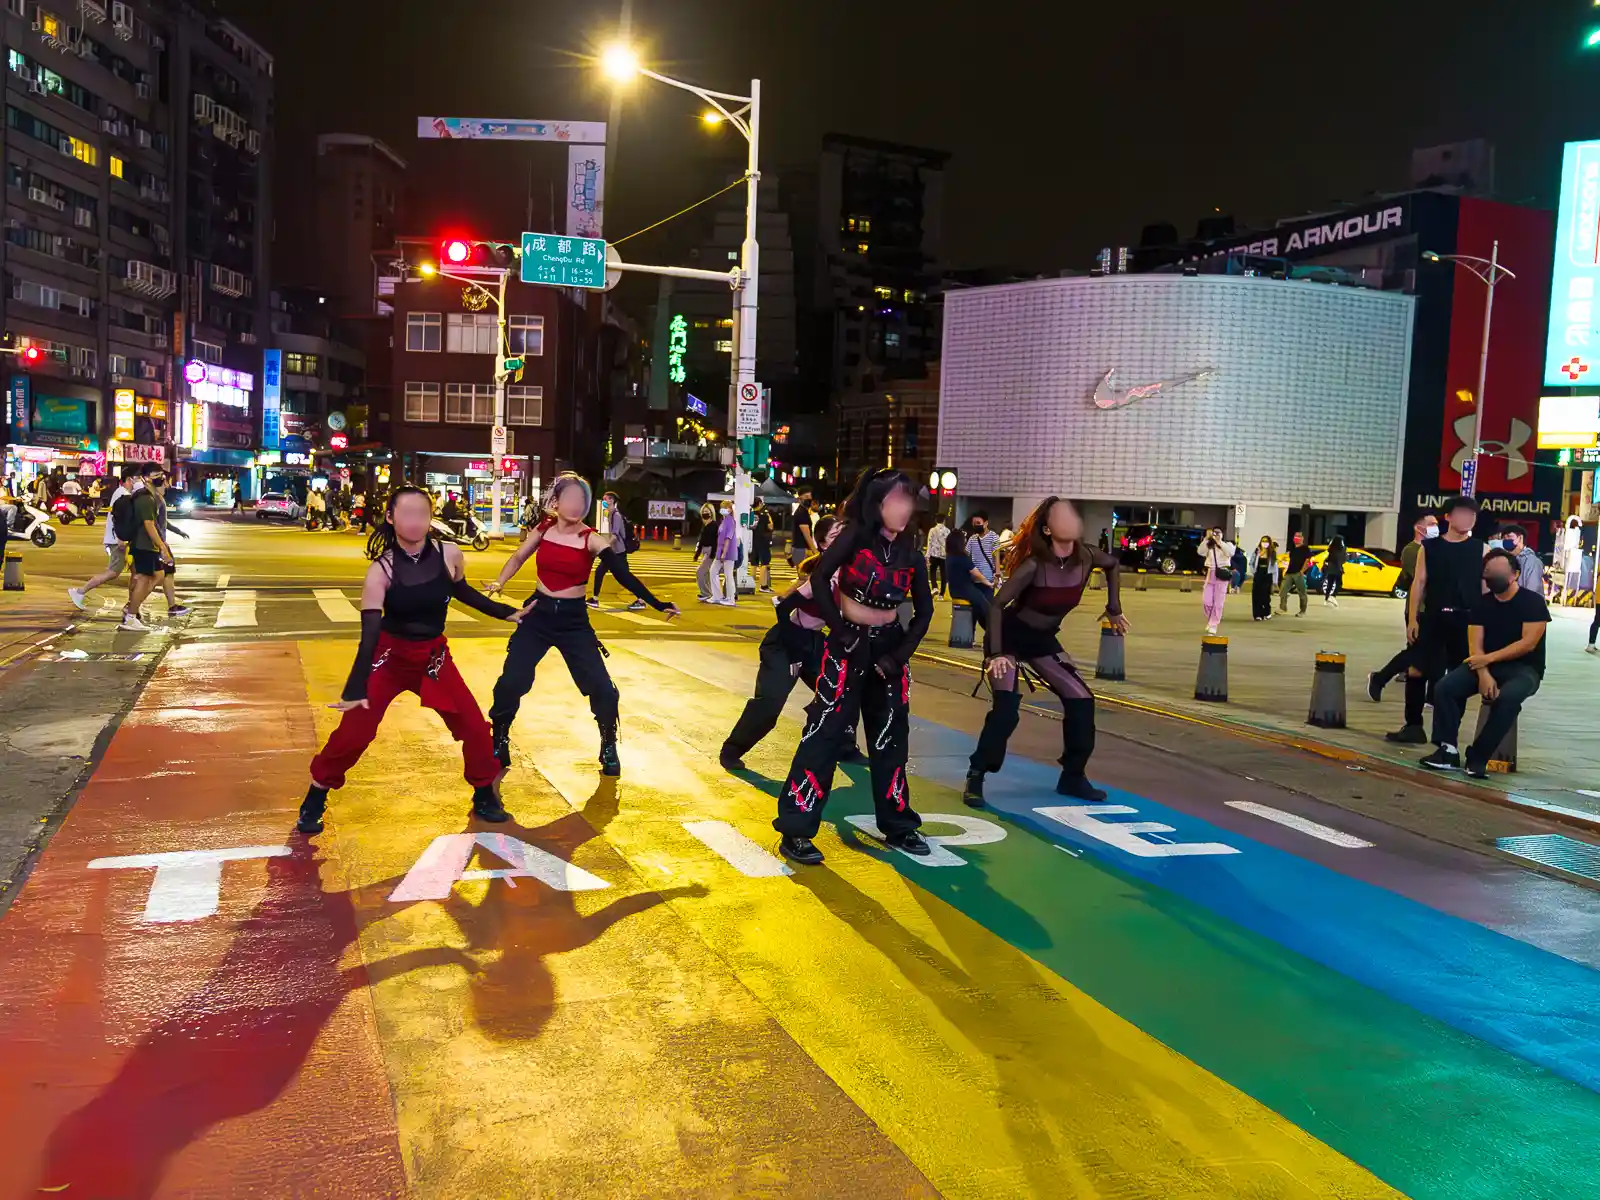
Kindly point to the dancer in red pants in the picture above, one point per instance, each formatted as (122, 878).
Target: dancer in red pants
(403, 649)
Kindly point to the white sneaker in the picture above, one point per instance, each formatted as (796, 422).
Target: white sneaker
(1591, 649)
(1212, 630)
(728, 603)
(76, 596)
(131, 621)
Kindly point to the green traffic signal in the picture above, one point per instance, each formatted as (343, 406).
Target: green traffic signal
(1593, 40)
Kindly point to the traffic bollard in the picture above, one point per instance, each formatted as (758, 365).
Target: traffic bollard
(677, 541)
(1327, 709)
(962, 625)
(1112, 661)
(1211, 680)
(1504, 758)
(14, 581)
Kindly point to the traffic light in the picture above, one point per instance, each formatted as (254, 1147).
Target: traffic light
(942, 482)
(755, 452)
(470, 252)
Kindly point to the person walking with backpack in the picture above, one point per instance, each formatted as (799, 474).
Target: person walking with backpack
(118, 533)
(625, 540)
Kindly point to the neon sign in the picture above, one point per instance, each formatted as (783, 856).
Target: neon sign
(677, 347)
(122, 415)
(218, 385)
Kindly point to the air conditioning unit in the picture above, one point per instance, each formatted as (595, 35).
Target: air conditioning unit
(144, 138)
(38, 195)
(66, 147)
(93, 10)
(81, 372)
(38, 88)
(83, 218)
(142, 90)
(108, 126)
(149, 371)
(55, 202)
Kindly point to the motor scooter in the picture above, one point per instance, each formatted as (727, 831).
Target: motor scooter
(33, 523)
(68, 509)
(462, 531)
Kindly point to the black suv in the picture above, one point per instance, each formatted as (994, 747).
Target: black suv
(1167, 549)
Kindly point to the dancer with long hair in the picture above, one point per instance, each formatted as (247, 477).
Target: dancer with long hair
(403, 649)
(859, 583)
(564, 549)
(791, 650)
(1047, 571)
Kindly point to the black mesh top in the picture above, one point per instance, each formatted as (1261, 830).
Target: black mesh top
(419, 593)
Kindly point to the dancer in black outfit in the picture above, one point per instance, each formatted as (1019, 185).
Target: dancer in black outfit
(1047, 571)
(864, 666)
(558, 619)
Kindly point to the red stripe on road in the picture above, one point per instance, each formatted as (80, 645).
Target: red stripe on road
(161, 1058)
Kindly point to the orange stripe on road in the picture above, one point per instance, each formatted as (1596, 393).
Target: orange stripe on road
(229, 1052)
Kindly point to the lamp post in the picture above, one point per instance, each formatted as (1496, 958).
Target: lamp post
(501, 348)
(621, 64)
(1491, 272)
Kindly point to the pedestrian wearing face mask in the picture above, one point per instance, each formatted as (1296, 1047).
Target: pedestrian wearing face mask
(1505, 665)
(1264, 578)
(1216, 559)
(1530, 571)
(1426, 526)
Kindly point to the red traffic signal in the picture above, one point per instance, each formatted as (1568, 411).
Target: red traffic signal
(457, 252)
(32, 354)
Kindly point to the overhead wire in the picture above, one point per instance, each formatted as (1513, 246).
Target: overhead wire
(736, 183)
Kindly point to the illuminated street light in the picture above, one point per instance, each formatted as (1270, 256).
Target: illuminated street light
(711, 117)
(427, 269)
(619, 62)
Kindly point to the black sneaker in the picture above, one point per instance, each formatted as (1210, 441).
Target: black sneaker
(1409, 735)
(799, 849)
(502, 746)
(1374, 687)
(610, 763)
(729, 761)
(638, 606)
(1443, 760)
(486, 805)
(1078, 787)
(1476, 768)
(911, 842)
(972, 794)
(594, 603)
(311, 810)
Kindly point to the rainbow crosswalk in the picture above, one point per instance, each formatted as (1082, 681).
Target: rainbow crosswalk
(626, 994)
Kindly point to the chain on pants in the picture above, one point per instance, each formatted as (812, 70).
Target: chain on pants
(561, 625)
(849, 685)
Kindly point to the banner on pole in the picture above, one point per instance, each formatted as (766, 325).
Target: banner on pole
(586, 186)
(490, 129)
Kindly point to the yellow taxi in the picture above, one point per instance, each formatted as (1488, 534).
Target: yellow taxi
(1364, 570)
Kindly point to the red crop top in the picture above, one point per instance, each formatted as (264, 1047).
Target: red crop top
(562, 567)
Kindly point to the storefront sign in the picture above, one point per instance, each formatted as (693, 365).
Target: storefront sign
(218, 385)
(133, 452)
(271, 399)
(1568, 422)
(338, 441)
(1320, 235)
(1518, 506)
(665, 510)
(17, 400)
(295, 458)
(92, 464)
(1572, 342)
(508, 466)
(122, 415)
(62, 421)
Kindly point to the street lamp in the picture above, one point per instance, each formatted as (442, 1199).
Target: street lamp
(1491, 272)
(620, 63)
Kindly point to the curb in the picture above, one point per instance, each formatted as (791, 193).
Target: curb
(1334, 753)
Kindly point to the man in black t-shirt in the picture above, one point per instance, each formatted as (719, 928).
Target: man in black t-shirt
(1505, 665)
(1294, 579)
(1447, 587)
(801, 544)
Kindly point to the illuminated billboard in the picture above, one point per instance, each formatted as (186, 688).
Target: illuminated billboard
(1569, 422)
(1572, 347)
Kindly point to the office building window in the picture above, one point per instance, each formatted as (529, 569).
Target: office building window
(208, 351)
(422, 403)
(524, 405)
(468, 403)
(302, 364)
(422, 332)
(116, 166)
(472, 333)
(84, 152)
(525, 334)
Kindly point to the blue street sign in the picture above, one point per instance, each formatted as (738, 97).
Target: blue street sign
(564, 261)
(1469, 476)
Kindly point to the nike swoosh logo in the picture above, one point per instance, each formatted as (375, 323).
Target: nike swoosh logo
(1107, 395)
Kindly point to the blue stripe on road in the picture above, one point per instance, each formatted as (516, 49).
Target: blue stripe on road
(1537, 1005)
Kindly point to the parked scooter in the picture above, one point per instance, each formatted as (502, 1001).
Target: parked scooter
(68, 509)
(33, 523)
(463, 532)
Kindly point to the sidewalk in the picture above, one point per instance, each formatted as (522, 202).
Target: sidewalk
(33, 616)
(1269, 684)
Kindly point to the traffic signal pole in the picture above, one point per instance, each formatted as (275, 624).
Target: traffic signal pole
(497, 452)
(749, 269)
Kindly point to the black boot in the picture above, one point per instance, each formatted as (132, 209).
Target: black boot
(1077, 738)
(502, 744)
(610, 763)
(486, 805)
(799, 849)
(998, 726)
(731, 759)
(972, 794)
(311, 810)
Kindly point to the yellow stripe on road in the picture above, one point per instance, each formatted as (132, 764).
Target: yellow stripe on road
(756, 1032)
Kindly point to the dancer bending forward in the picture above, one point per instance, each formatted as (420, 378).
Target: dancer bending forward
(564, 549)
(864, 669)
(403, 649)
(1047, 570)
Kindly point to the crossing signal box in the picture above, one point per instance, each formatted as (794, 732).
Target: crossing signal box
(469, 252)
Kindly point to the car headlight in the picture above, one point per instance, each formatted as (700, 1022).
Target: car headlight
(187, 505)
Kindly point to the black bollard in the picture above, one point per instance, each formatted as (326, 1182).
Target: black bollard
(962, 625)
(1327, 709)
(1211, 680)
(1112, 661)
(14, 579)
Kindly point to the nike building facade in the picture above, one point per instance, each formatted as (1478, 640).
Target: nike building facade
(1241, 401)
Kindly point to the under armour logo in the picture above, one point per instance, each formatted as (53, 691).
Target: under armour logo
(1512, 451)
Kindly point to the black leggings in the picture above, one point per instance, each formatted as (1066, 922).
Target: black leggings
(936, 579)
(849, 685)
(556, 625)
(1332, 581)
(1261, 595)
(1594, 625)
(782, 651)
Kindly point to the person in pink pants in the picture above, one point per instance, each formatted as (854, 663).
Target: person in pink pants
(1216, 557)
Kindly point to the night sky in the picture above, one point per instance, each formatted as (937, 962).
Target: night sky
(1070, 125)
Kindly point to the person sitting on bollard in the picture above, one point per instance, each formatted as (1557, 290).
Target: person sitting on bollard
(1505, 665)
